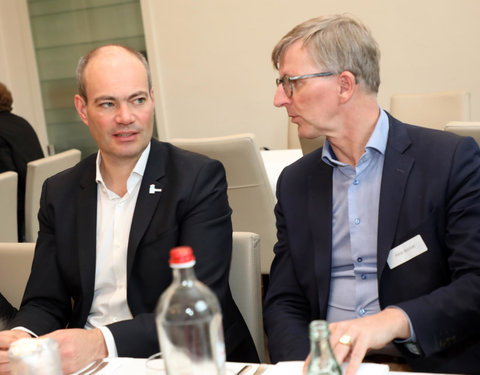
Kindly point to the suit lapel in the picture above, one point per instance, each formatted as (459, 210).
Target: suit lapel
(396, 169)
(147, 202)
(320, 215)
(87, 229)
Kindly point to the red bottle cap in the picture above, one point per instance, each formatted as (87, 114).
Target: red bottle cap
(181, 255)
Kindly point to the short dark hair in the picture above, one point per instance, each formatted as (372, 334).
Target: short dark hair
(5, 99)
(84, 60)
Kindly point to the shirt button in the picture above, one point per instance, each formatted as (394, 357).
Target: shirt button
(355, 182)
(363, 276)
(362, 311)
(359, 259)
(357, 221)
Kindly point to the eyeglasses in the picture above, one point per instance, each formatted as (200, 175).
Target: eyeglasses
(287, 82)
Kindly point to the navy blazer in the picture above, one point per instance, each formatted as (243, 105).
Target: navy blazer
(191, 209)
(430, 187)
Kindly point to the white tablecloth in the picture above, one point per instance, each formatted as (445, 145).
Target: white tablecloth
(276, 160)
(129, 366)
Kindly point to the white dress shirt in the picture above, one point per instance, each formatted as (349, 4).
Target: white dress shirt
(114, 219)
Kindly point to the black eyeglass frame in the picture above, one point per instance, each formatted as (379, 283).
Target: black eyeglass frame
(285, 78)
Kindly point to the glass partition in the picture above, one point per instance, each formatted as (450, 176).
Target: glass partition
(64, 30)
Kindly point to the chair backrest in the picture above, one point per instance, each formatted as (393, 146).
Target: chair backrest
(245, 284)
(8, 203)
(292, 135)
(465, 128)
(37, 172)
(295, 141)
(432, 110)
(249, 192)
(15, 265)
(309, 145)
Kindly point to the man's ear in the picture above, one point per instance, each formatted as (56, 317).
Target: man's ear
(152, 96)
(81, 107)
(347, 85)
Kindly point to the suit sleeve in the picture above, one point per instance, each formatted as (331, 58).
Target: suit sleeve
(449, 314)
(287, 311)
(46, 304)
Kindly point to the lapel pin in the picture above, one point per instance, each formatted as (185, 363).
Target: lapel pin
(154, 190)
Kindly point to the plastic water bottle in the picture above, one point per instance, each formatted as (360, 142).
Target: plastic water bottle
(322, 359)
(189, 322)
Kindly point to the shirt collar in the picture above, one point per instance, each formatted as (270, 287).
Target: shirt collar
(377, 141)
(138, 170)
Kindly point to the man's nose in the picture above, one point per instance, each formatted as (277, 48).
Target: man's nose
(280, 99)
(124, 114)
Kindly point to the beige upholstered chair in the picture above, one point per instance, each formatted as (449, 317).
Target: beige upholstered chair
(432, 110)
(465, 128)
(292, 135)
(245, 284)
(37, 172)
(15, 265)
(249, 192)
(295, 141)
(309, 145)
(8, 204)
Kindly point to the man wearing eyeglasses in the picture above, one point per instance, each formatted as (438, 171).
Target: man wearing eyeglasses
(378, 230)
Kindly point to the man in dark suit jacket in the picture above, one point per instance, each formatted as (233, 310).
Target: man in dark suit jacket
(19, 145)
(418, 220)
(7, 312)
(77, 279)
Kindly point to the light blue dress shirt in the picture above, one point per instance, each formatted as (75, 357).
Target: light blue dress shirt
(356, 194)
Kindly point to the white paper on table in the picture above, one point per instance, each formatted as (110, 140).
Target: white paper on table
(369, 369)
(296, 367)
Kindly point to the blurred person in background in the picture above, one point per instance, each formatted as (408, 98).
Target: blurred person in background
(19, 145)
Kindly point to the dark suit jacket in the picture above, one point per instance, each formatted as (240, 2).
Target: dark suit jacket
(7, 312)
(18, 145)
(431, 187)
(192, 209)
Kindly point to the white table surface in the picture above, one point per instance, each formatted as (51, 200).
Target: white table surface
(129, 366)
(276, 160)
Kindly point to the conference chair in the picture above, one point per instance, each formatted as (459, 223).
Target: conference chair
(465, 128)
(432, 110)
(292, 135)
(15, 265)
(295, 141)
(37, 172)
(8, 203)
(309, 145)
(249, 192)
(245, 285)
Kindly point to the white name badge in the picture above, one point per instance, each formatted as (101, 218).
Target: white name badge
(406, 251)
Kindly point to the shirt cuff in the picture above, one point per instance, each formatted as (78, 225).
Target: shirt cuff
(411, 342)
(413, 337)
(24, 330)
(110, 342)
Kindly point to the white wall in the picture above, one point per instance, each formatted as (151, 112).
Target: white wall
(18, 70)
(211, 58)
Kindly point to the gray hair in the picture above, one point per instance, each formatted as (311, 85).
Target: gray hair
(338, 43)
(84, 60)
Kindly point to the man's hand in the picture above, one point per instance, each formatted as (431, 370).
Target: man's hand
(79, 347)
(371, 332)
(6, 339)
